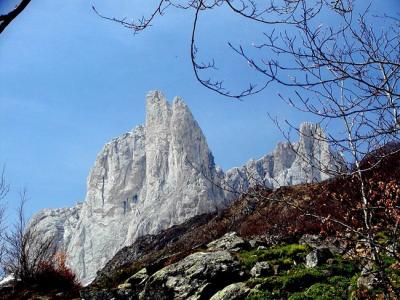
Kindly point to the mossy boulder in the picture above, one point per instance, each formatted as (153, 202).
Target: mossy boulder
(199, 275)
(234, 291)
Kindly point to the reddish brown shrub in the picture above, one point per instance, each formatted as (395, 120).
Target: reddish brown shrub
(55, 275)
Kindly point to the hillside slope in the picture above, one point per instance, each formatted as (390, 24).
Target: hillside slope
(254, 229)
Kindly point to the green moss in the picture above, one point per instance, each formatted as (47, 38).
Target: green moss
(320, 291)
(283, 263)
(353, 281)
(294, 280)
(282, 255)
(252, 282)
(324, 291)
(382, 238)
(340, 282)
(249, 258)
(259, 295)
(387, 260)
(302, 278)
(287, 250)
(343, 268)
(298, 296)
(329, 281)
(394, 276)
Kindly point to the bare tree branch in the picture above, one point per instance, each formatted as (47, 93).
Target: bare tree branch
(6, 19)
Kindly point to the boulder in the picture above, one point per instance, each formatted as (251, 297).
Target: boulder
(312, 240)
(256, 243)
(234, 291)
(317, 257)
(107, 294)
(261, 269)
(335, 245)
(230, 241)
(199, 275)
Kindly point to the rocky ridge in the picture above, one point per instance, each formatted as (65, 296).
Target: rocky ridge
(162, 174)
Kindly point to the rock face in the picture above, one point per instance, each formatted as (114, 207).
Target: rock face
(141, 183)
(159, 175)
(289, 164)
(57, 223)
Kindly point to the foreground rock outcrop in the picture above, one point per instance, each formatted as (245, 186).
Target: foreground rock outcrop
(162, 174)
(243, 272)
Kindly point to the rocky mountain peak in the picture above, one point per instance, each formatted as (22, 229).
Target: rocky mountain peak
(159, 175)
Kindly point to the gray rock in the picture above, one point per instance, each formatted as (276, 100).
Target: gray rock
(317, 257)
(261, 269)
(253, 243)
(367, 281)
(312, 240)
(335, 245)
(125, 285)
(258, 242)
(230, 241)
(107, 294)
(367, 268)
(138, 278)
(234, 291)
(199, 275)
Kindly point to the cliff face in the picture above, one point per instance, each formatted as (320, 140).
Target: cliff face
(159, 175)
(288, 164)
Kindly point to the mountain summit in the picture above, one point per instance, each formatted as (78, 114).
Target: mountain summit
(162, 174)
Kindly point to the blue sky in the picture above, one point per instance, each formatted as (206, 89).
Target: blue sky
(70, 82)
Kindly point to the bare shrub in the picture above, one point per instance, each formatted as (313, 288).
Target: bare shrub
(26, 250)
